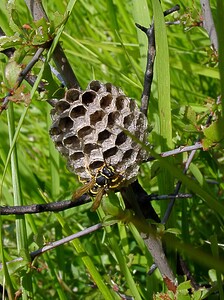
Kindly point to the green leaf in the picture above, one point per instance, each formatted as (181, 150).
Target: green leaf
(155, 169)
(175, 231)
(184, 296)
(51, 85)
(109, 220)
(215, 132)
(207, 144)
(14, 267)
(184, 285)
(197, 295)
(12, 71)
(169, 295)
(16, 18)
(212, 275)
(111, 205)
(197, 174)
(190, 118)
(59, 20)
(42, 33)
(194, 68)
(11, 41)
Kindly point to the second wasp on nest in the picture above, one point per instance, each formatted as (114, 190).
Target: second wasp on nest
(88, 129)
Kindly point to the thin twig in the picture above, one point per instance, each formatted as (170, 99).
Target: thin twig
(188, 274)
(67, 204)
(149, 67)
(59, 57)
(171, 196)
(208, 23)
(122, 296)
(150, 33)
(21, 77)
(177, 189)
(182, 149)
(179, 183)
(171, 10)
(178, 150)
(58, 243)
(40, 208)
(64, 240)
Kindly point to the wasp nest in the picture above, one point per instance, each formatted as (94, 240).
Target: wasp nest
(89, 128)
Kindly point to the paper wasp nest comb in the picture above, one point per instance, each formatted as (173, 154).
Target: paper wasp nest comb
(87, 129)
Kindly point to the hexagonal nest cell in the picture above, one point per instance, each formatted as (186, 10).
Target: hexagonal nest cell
(88, 129)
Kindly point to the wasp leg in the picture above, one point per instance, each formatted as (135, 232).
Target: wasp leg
(116, 181)
(98, 198)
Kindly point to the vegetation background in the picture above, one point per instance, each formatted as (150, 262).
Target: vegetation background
(101, 42)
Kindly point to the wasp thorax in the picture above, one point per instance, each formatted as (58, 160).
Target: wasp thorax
(90, 128)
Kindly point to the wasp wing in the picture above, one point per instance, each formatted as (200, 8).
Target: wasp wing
(98, 198)
(83, 189)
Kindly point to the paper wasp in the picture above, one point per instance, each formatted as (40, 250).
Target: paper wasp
(105, 179)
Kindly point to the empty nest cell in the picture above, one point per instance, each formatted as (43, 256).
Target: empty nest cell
(72, 142)
(65, 124)
(72, 95)
(77, 111)
(61, 106)
(96, 117)
(88, 97)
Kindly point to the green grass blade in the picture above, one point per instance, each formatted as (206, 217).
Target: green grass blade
(164, 139)
(215, 252)
(12, 145)
(141, 15)
(5, 274)
(194, 68)
(21, 233)
(163, 77)
(54, 161)
(120, 258)
(21, 238)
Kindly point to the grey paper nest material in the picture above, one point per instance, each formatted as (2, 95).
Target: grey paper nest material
(87, 129)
